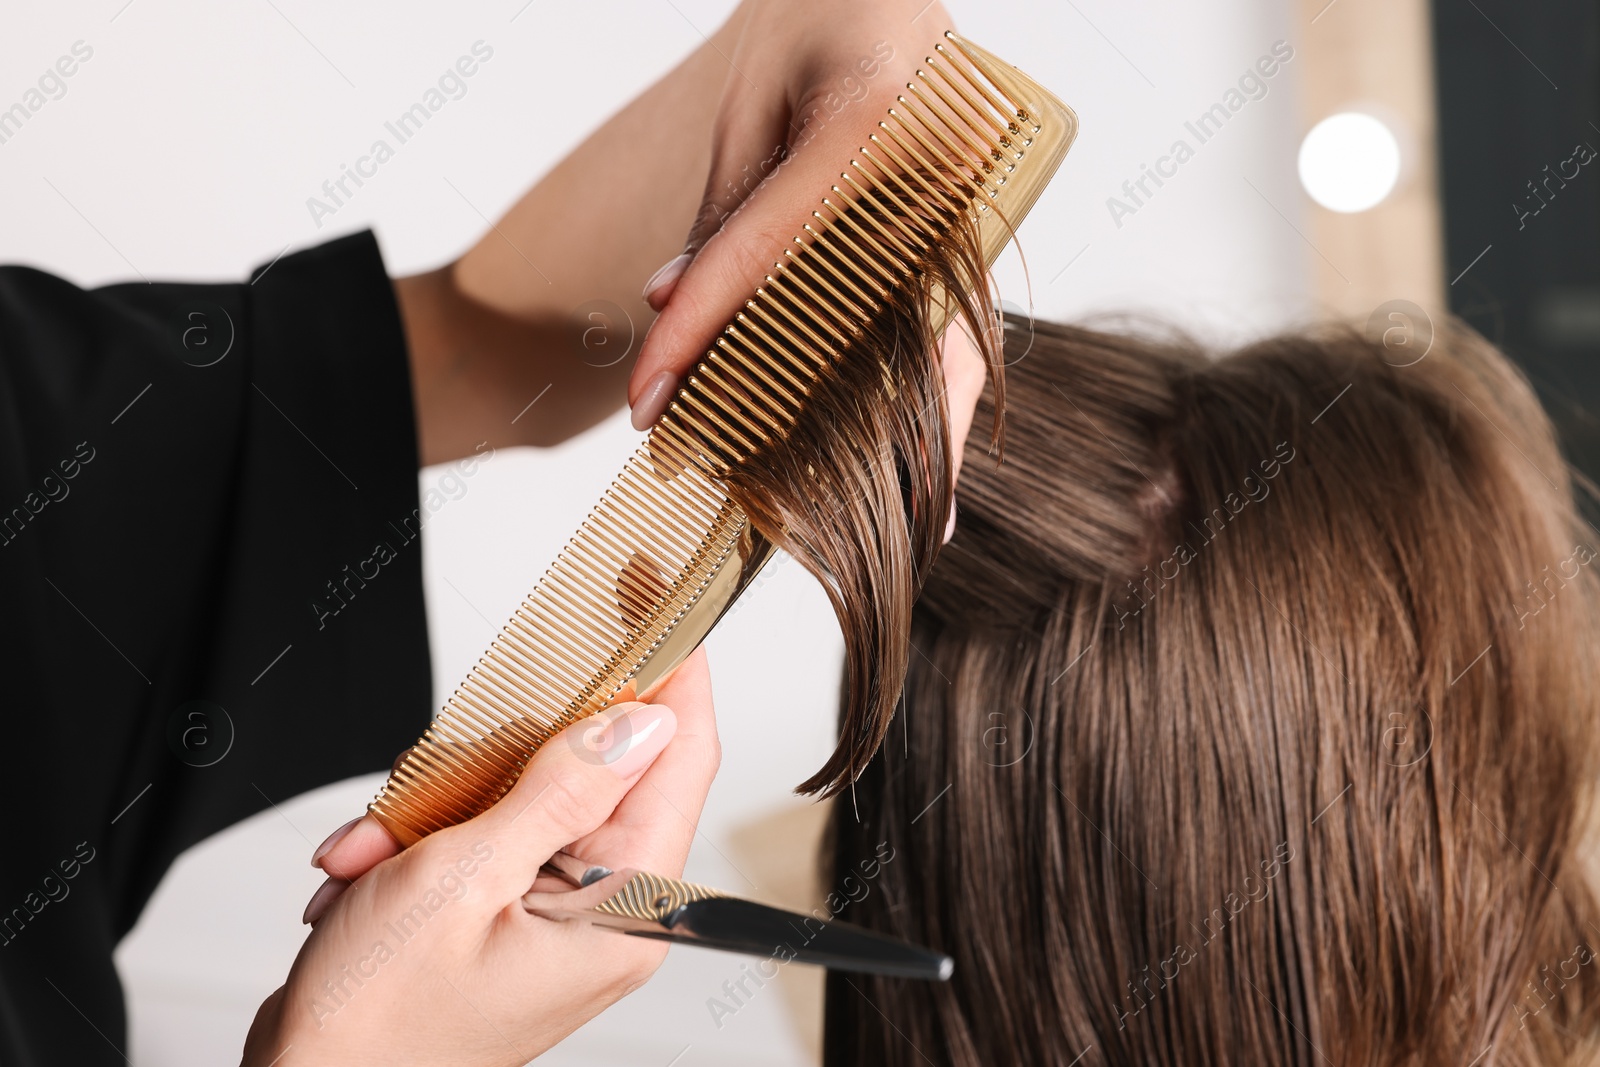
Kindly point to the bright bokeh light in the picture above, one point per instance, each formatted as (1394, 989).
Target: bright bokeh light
(1349, 162)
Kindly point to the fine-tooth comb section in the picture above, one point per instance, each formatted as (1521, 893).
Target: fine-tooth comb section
(665, 551)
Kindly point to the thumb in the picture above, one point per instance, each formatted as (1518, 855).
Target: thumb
(574, 783)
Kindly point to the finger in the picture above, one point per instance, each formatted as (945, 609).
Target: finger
(570, 787)
(323, 899)
(549, 883)
(721, 276)
(359, 845)
(964, 376)
(655, 823)
(746, 149)
(362, 847)
(742, 157)
(549, 894)
(749, 142)
(363, 843)
(748, 244)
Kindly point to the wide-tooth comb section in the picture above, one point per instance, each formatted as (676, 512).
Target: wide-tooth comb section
(969, 136)
(617, 589)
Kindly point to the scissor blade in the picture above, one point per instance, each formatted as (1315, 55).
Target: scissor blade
(666, 909)
(744, 926)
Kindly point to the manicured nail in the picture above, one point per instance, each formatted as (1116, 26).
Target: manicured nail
(659, 287)
(633, 740)
(325, 895)
(333, 839)
(950, 525)
(654, 400)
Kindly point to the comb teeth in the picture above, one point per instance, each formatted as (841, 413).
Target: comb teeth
(641, 558)
(969, 136)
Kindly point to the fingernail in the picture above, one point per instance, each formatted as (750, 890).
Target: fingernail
(950, 525)
(633, 740)
(333, 839)
(325, 895)
(660, 283)
(654, 400)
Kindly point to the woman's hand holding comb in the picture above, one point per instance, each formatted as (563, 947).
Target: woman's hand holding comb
(430, 957)
(806, 87)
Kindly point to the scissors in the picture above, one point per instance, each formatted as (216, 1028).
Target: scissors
(641, 904)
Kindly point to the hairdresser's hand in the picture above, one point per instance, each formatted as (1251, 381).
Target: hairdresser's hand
(807, 84)
(430, 956)
(964, 375)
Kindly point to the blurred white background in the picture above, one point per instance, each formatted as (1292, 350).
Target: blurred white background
(186, 149)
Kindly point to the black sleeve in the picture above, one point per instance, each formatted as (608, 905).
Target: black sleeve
(211, 572)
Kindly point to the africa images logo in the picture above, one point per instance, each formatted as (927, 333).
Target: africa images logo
(1252, 85)
(451, 85)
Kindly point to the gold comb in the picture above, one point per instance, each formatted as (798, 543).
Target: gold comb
(666, 551)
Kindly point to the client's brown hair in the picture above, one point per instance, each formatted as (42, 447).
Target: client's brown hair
(858, 490)
(1254, 723)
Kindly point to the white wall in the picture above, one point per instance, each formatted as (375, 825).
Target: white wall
(187, 147)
